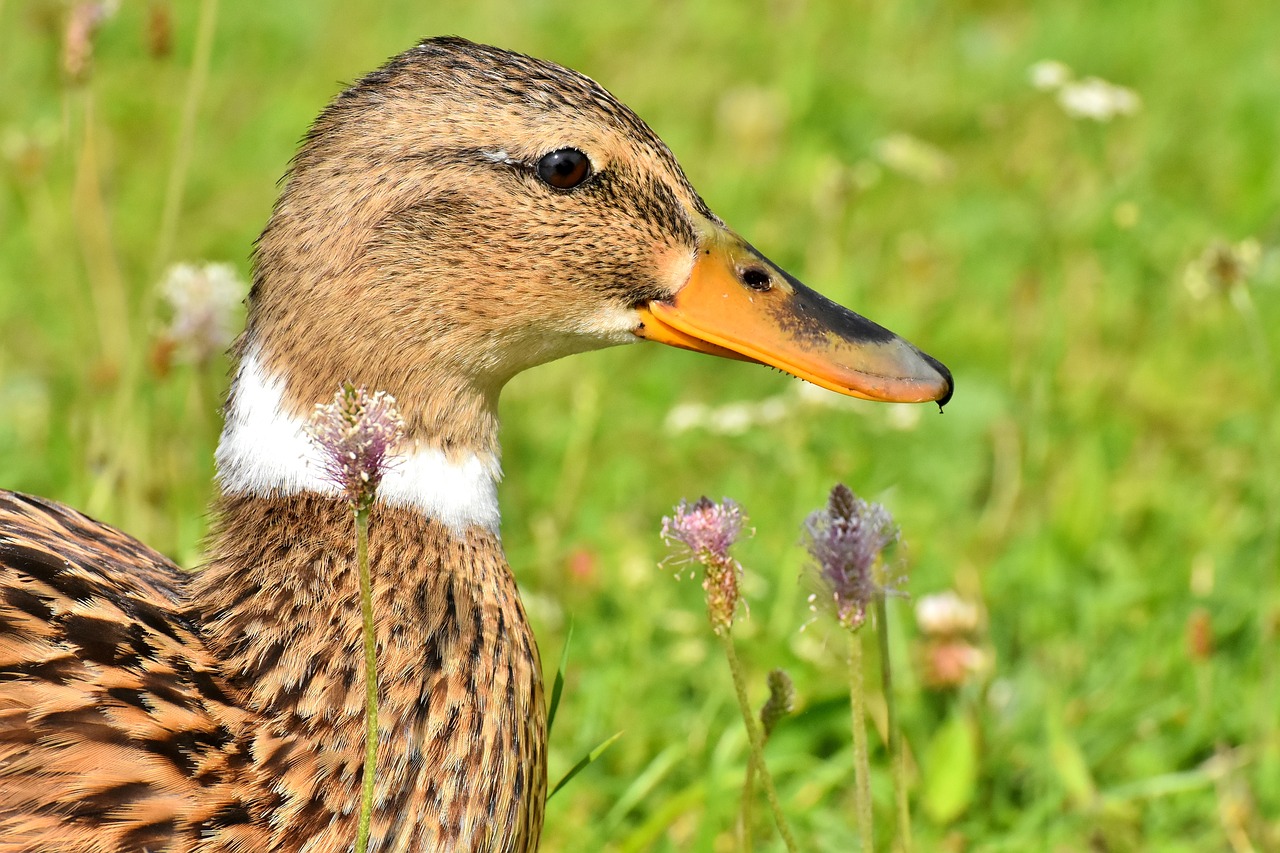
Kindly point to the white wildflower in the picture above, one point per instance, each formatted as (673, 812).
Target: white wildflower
(946, 614)
(914, 158)
(728, 419)
(203, 300)
(1095, 99)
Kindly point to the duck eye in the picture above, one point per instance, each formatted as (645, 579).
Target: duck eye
(564, 169)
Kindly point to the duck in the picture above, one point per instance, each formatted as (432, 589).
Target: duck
(451, 219)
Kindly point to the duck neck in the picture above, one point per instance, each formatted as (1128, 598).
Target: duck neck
(461, 761)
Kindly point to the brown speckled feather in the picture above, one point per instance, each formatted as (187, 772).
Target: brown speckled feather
(120, 728)
(461, 764)
(115, 724)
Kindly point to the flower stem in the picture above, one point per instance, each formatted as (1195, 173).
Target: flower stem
(206, 28)
(757, 740)
(744, 819)
(897, 760)
(370, 681)
(861, 764)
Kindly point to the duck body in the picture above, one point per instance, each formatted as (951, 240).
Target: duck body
(144, 708)
(453, 218)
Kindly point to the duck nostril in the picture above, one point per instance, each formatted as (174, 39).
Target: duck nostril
(756, 279)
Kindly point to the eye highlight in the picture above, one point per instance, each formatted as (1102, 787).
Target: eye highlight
(564, 169)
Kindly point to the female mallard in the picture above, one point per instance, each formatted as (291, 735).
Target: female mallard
(458, 216)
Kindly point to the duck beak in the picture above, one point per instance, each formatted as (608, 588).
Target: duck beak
(739, 304)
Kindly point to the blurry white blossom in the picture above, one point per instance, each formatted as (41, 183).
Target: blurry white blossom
(1091, 98)
(1048, 74)
(203, 300)
(728, 419)
(1096, 99)
(915, 158)
(946, 614)
(950, 654)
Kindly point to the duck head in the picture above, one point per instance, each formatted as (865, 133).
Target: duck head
(465, 213)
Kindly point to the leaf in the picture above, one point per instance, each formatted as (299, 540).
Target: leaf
(582, 764)
(557, 687)
(1068, 761)
(951, 769)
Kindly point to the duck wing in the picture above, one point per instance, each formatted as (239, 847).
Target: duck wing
(116, 731)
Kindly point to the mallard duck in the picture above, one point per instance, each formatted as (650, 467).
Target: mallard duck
(453, 218)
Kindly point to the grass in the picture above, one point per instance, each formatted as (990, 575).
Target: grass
(1106, 480)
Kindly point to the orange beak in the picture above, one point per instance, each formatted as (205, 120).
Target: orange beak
(739, 304)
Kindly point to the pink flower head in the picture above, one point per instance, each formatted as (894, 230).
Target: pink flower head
(357, 434)
(704, 529)
(704, 533)
(845, 540)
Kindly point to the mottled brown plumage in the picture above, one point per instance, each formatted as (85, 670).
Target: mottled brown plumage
(416, 250)
(142, 707)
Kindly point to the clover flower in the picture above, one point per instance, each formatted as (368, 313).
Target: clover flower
(949, 656)
(846, 540)
(704, 533)
(203, 299)
(946, 614)
(357, 434)
(948, 664)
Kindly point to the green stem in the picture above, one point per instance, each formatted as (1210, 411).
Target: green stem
(1269, 674)
(744, 820)
(757, 740)
(370, 681)
(206, 27)
(861, 764)
(897, 760)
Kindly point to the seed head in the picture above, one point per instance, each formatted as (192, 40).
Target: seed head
(781, 701)
(703, 533)
(846, 540)
(357, 434)
(83, 22)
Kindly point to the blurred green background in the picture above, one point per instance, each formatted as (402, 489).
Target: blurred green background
(1105, 485)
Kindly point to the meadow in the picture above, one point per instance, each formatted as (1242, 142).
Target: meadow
(1104, 488)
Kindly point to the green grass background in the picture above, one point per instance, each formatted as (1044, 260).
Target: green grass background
(1107, 477)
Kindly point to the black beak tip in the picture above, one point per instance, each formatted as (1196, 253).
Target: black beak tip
(946, 374)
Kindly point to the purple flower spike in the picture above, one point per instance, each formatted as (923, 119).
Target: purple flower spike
(705, 529)
(357, 434)
(845, 540)
(704, 533)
